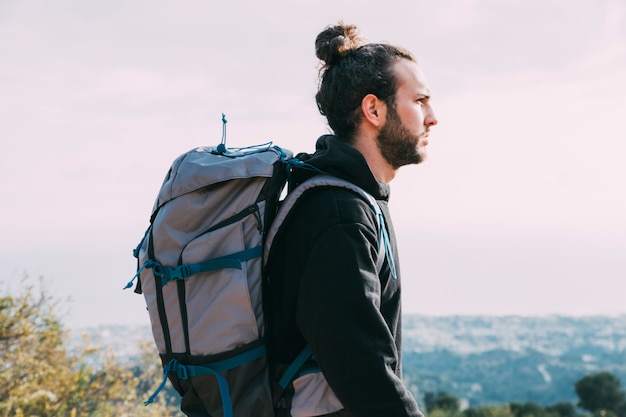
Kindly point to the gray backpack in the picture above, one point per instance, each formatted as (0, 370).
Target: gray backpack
(200, 271)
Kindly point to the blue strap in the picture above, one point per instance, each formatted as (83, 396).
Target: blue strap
(167, 273)
(166, 370)
(307, 371)
(181, 272)
(242, 358)
(138, 248)
(295, 366)
(147, 264)
(384, 241)
(187, 371)
(182, 372)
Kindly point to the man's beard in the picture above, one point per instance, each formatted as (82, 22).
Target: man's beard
(397, 145)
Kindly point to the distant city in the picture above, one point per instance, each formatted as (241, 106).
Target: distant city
(479, 359)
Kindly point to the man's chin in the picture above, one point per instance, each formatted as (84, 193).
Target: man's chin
(420, 156)
(417, 158)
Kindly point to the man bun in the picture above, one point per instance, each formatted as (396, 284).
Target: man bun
(335, 41)
(351, 69)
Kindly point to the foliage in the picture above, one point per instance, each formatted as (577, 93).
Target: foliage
(442, 401)
(529, 409)
(601, 392)
(443, 408)
(596, 387)
(562, 409)
(488, 411)
(39, 378)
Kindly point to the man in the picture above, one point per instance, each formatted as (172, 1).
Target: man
(325, 288)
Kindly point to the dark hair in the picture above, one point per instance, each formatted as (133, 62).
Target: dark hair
(351, 70)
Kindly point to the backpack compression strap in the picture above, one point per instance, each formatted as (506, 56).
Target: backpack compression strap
(181, 272)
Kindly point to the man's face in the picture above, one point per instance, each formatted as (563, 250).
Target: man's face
(403, 138)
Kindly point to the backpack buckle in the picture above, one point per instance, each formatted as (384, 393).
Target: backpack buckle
(181, 371)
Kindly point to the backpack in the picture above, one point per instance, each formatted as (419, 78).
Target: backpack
(199, 268)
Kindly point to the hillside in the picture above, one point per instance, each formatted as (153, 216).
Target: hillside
(482, 359)
(489, 360)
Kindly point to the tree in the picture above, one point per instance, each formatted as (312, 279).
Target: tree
(529, 409)
(601, 391)
(562, 409)
(488, 411)
(39, 378)
(442, 401)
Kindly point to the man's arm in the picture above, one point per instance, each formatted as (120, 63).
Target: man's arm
(339, 315)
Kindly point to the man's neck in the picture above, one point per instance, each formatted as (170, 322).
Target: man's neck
(379, 166)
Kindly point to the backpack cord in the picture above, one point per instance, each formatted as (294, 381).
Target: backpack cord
(148, 264)
(221, 148)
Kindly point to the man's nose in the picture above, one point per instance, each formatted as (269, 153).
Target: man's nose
(430, 119)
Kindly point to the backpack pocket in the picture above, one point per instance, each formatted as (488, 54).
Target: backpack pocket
(221, 304)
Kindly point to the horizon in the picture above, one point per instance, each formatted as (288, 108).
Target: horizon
(147, 325)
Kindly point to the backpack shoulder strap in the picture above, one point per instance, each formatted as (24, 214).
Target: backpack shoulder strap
(384, 245)
(384, 248)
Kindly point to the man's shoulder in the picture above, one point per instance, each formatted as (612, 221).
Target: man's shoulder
(322, 213)
(332, 202)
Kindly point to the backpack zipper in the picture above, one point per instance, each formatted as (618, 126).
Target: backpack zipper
(253, 209)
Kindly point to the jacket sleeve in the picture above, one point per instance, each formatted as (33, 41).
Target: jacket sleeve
(338, 313)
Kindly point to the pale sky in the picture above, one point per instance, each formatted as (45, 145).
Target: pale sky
(518, 210)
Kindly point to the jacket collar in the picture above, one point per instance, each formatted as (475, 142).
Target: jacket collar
(339, 159)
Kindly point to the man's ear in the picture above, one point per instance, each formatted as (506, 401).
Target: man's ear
(374, 110)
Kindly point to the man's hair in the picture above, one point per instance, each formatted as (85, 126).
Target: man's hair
(351, 70)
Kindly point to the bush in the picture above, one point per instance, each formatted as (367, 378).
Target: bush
(39, 378)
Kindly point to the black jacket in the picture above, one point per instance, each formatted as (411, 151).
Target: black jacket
(325, 290)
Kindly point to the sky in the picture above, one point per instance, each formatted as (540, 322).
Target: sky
(519, 209)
